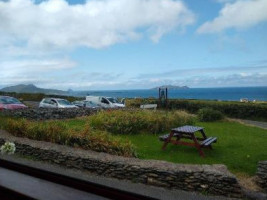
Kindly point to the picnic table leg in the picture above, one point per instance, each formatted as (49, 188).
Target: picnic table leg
(167, 141)
(197, 145)
(178, 137)
(205, 137)
(203, 134)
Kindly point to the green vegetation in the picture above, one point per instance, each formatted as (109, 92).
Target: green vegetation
(136, 132)
(36, 96)
(64, 132)
(239, 147)
(136, 121)
(209, 115)
(253, 111)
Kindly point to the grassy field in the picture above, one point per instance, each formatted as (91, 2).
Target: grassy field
(239, 147)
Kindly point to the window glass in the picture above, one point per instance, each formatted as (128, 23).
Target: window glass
(9, 100)
(113, 100)
(104, 101)
(63, 102)
(47, 101)
(53, 102)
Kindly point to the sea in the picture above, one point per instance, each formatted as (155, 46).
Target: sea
(224, 94)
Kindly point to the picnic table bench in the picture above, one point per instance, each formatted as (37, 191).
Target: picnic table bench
(188, 132)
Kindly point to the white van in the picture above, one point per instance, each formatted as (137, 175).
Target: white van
(105, 102)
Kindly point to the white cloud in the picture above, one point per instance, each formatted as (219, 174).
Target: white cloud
(35, 65)
(241, 14)
(32, 71)
(190, 72)
(96, 23)
(229, 80)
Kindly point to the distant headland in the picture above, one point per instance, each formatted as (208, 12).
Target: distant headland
(171, 87)
(30, 88)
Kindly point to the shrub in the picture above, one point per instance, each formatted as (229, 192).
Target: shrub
(102, 141)
(136, 121)
(59, 132)
(16, 127)
(209, 115)
(229, 108)
(36, 96)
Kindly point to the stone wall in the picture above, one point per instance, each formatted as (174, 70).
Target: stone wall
(210, 179)
(262, 174)
(46, 113)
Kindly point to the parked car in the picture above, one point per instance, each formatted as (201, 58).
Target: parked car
(10, 103)
(56, 103)
(86, 104)
(105, 102)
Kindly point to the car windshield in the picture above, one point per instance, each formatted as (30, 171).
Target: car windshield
(63, 102)
(9, 100)
(113, 100)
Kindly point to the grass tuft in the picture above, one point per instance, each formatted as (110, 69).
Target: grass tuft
(61, 133)
(136, 121)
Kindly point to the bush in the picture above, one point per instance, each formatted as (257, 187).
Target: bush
(209, 115)
(59, 132)
(136, 121)
(253, 111)
(36, 96)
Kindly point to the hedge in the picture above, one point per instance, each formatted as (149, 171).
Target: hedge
(232, 109)
(36, 96)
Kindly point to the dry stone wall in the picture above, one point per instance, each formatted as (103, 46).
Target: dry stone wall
(46, 113)
(211, 179)
(262, 174)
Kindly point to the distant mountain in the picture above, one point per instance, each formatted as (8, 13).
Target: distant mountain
(171, 87)
(21, 88)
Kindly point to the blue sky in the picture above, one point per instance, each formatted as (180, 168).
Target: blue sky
(133, 44)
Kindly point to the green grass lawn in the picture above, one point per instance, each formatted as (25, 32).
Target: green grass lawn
(239, 147)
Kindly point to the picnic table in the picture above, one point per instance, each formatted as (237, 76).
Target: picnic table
(177, 136)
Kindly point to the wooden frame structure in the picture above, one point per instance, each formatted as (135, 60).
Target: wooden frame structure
(188, 132)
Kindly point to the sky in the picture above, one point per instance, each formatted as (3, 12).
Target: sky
(133, 44)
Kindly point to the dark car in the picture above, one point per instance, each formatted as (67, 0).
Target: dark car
(10, 103)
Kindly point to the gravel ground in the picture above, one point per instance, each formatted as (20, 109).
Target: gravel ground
(251, 123)
(255, 123)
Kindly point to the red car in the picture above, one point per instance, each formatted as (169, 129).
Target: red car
(10, 103)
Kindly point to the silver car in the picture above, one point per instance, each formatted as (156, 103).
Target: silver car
(86, 104)
(56, 103)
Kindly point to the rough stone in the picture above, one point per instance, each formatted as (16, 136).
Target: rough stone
(262, 175)
(202, 178)
(49, 113)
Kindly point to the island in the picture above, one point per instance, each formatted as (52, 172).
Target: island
(171, 87)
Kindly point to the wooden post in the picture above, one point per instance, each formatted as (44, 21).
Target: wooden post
(159, 98)
(166, 102)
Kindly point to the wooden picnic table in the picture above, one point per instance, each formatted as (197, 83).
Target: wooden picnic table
(177, 136)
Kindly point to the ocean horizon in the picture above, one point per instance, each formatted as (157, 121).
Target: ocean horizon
(224, 93)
